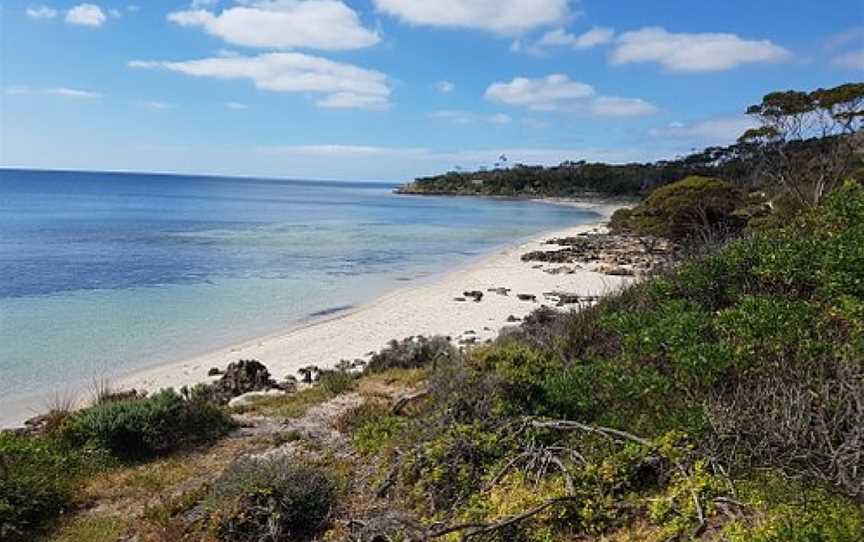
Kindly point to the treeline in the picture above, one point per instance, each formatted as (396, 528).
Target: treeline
(797, 131)
(579, 178)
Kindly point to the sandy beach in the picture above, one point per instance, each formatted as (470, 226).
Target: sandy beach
(426, 309)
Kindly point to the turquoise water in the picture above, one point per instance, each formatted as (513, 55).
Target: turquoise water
(104, 273)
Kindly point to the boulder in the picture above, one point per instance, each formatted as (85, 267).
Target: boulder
(242, 377)
(477, 295)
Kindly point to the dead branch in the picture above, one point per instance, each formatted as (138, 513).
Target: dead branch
(474, 529)
(405, 400)
(567, 425)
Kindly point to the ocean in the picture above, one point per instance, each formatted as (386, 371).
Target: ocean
(103, 274)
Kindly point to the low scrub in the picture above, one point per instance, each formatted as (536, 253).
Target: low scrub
(692, 207)
(143, 428)
(270, 499)
(412, 353)
(37, 477)
(656, 406)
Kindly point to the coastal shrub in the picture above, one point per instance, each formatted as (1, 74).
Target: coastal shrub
(619, 222)
(142, 428)
(37, 477)
(377, 433)
(684, 209)
(270, 499)
(336, 382)
(412, 353)
(449, 467)
(520, 373)
(789, 511)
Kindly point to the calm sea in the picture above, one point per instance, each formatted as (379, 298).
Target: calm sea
(107, 273)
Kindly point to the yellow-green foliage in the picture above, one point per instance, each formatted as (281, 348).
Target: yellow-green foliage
(371, 425)
(680, 209)
(292, 405)
(449, 467)
(688, 495)
(512, 496)
(786, 511)
(90, 528)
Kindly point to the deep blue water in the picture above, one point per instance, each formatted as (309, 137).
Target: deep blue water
(110, 272)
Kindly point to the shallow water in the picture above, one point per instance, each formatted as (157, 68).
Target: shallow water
(102, 274)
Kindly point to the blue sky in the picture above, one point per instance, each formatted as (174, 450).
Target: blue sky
(392, 89)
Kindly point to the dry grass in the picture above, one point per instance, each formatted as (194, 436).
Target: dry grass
(114, 502)
(289, 406)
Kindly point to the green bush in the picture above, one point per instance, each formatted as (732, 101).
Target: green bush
(270, 499)
(693, 206)
(336, 382)
(521, 373)
(142, 428)
(412, 353)
(37, 477)
(793, 512)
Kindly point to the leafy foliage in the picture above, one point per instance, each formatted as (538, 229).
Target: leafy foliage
(37, 477)
(411, 353)
(684, 209)
(142, 428)
(270, 499)
(658, 399)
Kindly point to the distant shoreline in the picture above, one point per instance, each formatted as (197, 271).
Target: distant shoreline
(423, 307)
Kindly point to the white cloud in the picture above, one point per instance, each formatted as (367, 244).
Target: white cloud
(545, 94)
(718, 131)
(41, 12)
(236, 106)
(284, 24)
(611, 106)
(86, 15)
(353, 100)
(853, 60)
(445, 87)
(467, 117)
(73, 93)
(693, 52)
(592, 38)
(342, 85)
(854, 35)
(500, 16)
(155, 105)
(558, 93)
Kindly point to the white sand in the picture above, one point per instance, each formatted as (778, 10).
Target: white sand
(427, 309)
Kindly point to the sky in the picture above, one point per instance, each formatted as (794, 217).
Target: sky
(394, 89)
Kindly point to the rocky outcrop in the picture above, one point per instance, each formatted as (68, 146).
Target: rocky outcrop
(242, 377)
(610, 254)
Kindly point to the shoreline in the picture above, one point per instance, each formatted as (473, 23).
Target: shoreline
(426, 306)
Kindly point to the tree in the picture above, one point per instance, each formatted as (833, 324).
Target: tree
(691, 208)
(808, 142)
